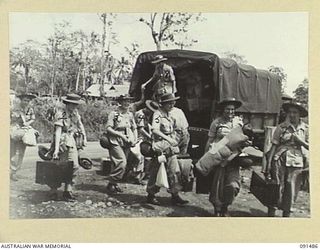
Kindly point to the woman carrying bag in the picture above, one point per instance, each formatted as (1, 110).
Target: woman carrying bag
(165, 144)
(226, 177)
(67, 126)
(21, 133)
(288, 156)
(122, 135)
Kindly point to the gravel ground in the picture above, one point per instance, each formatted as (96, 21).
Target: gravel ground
(29, 200)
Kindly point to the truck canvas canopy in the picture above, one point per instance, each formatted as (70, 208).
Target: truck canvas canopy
(203, 79)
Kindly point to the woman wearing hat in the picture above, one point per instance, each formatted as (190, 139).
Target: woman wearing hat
(163, 78)
(164, 142)
(67, 124)
(282, 115)
(122, 135)
(143, 119)
(289, 155)
(22, 116)
(226, 179)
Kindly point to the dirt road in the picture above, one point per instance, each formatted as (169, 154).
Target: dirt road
(29, 200)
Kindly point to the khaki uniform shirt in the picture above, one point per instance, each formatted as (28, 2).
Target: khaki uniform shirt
(122, 122)
(179, 118)
(70, 124)
(221, 127)
(282, 137)
(142, 121)
(163, 121)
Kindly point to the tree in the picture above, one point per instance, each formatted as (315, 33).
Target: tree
(283, 76)
(133, 52)
(300, 94)
(236, 57)
(184, 41)
(27, 56)
(108, 37)
(55, 50)
(167, 27)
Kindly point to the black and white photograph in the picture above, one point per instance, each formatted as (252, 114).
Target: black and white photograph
(162, 114)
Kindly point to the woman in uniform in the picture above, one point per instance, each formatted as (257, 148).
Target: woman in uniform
(164, 142)
(67, 126)
(122, 135)
(226, 179)
(143, 119)
(181, 129)
(22, 116)
(289, 155)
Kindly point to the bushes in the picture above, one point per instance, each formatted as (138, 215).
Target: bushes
(94, 117)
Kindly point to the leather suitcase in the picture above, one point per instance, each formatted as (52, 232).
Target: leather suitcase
(198, 140)
(203, 183)
(266, 191)
(105, 167)
(50, 172)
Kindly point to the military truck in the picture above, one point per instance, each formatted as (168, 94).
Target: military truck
(203, 79)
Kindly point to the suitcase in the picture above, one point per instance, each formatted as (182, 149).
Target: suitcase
(266, 191)
(198, 140)
(203, 183)
(105, 167)
(54, 172)
(188, 186)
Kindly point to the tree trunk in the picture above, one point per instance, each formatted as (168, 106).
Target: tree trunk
(83, 81)
(52, 81)
(158, 44)
(104, 21)
(78, 77)
(26, 75)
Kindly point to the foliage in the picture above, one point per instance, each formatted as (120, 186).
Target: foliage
(94, 117)
(301, 92)
(283, 76)
(69, 61)
(171, 28)
(236, 57)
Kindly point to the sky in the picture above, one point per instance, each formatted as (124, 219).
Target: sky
(264, 39)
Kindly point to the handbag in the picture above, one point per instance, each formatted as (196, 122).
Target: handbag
(79, 139)
(162, 178)
(16, 133)
(29, 137)
(104, 141)
(294, 158)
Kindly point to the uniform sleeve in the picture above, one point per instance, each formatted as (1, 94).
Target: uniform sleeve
(307, 134)
(110, 122)
(132, 122)
(276, 135)
(140, 119)
(156, 120)
(81, 124)
(213, 129)
(184, 120)
(58, 118)
(133, 107)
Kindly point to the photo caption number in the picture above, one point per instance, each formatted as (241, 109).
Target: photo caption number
(312, 246)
